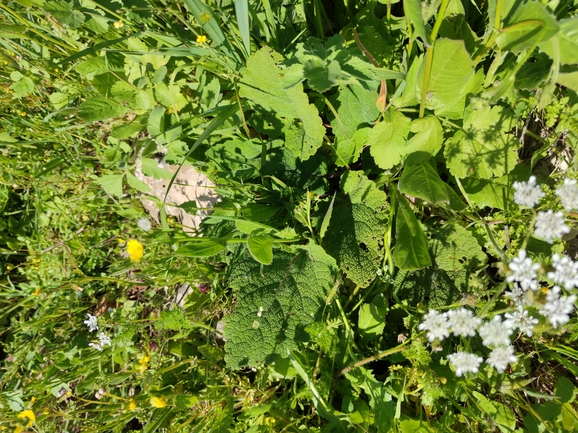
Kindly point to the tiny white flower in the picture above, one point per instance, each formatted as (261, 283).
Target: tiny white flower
(436, 324)
(568, 193)
(260, 312)
(104, 339)
(462, 322)
(557, 308)
(495, 332)
(527, 193)
(550, 226)
(91, 323)
(96, 346)
(518, 295)
(521, 320)
(523, 271)
(144, 224)
(465, 362)
(500, 357)
(566, 272)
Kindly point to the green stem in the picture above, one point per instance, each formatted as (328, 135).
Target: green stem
(384, 354)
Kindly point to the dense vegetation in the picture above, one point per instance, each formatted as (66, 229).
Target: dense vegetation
(394, 244)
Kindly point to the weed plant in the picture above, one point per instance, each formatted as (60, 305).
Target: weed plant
(394, 245)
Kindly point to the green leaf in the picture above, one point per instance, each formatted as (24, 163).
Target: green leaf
(412, 9)
(273, 307)
(387, 139)
(64, 13)
(242, 13)
(171, 96)
(411, 250)
(564, 45)
(356, 229)
(156, 123)
(528, 26)
(356, 108)
(159, 75)
(449, 82)
(136, 183)
(422, 181)
(150, 168)
(483, 149)
(569, 80)
(371, 321)
(426, 142)
(408, 425)
(130, 129)
(262, 83)
(327, 218)
(201, 248)
(261, 248)
(23, 87)
(112, 184)
(91, 67)
(95, 109)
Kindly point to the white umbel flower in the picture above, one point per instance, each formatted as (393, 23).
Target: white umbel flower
(436, 324)
(518, 295)
(568, 193)
(465, 362)
(550, 226)
(527, 193)
(495, 332)
(91, 323)
(103, 340)
(557, 308)
(523, 271)
(462, 322)
(521, 320)
(144, 224)
(500, 357)
(566, 272)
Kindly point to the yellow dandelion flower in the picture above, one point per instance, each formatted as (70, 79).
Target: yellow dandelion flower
(158, 402)
(201, 39)
(134, 250)
(29, 415)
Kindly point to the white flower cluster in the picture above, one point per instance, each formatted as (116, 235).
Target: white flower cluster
(557, 308)
(462, 322)
(103, 339)
(568, 194)
(550, 225)
(527, 193)
(144, 224)
(91, 323)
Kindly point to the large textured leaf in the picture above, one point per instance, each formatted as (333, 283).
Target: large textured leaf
(565, 44)
(274, 307)
(263, 84)
(529, 25)
(483, 149)
(64, 13)
(355, 234)
(355, 108)
(450, 78)
(422, 181)
(411, 250)
(387, 139)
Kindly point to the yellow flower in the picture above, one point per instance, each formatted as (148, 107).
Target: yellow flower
(132, 404)
(158, 402)
(201, 39)
(134, 250)
(28, 414)
(23, 113)
(118, 24)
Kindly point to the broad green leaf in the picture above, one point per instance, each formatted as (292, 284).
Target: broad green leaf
(564, 45)
(528, 26)
(371, 320)
(185, 402)
(409, 87)
(412, 9)
(156, 123)
(451, 71)
(130, 129)
(261, 248)
(92, 67)
(171, 96)
(356, 108)
(358, 222)
(151, 168)
(159, 75)
(262, 83)
(137, 184)
(112, 184)
(422, 181)
(569, 80)
(387, 139)
(59, 100)
(483, 149)
(273, 307)
(327, 218)
(23, 87)
(96, 108)
(408, 425)
(201, 248)
(411, 250)
(485, 404)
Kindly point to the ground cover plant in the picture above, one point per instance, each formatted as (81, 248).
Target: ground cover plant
(394, 247)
